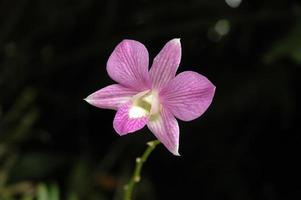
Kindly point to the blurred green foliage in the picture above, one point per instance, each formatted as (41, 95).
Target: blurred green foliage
(287, 47)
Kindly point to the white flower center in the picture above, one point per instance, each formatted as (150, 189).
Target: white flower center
(137, 112)
(145, 103)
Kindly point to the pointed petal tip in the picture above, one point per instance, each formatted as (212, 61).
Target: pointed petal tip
(176, 153)
(176, 41)
(213, 88)
(166, 63)
(123, 132)
(87, 100)
(175, 150)
(120, 133)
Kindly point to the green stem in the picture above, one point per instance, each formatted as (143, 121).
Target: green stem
(129, 187)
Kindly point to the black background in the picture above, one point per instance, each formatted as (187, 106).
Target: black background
(245, 147)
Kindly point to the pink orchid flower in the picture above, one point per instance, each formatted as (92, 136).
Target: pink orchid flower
(154, 97)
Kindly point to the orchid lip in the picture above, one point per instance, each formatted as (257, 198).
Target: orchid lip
(145, 103)
(137, 112)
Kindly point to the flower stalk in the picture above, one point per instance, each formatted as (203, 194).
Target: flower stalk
(136, 176)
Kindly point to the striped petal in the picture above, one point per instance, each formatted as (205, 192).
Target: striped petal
(128, 65)
(188, 95)
(166, 63)
(111, 97)
(165, 127)
(129, 119)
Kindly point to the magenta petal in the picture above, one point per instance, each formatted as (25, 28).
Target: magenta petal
(128, 65)
(166, 63)
(123, 124)
(188, 95)
(165, 127)
(111, 97)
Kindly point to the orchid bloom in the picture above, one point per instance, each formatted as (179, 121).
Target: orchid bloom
(154, 97)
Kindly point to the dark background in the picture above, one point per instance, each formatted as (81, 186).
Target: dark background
(53, 54)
